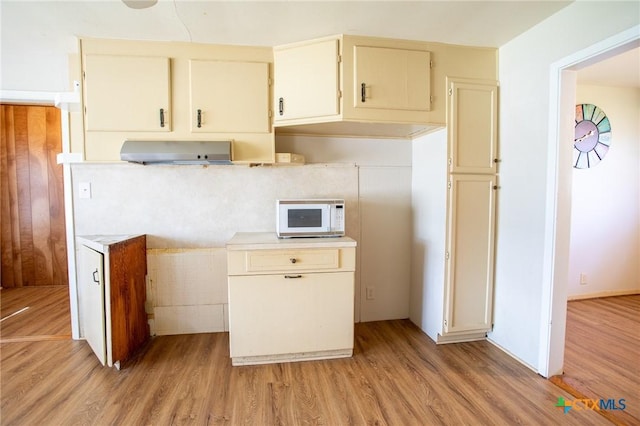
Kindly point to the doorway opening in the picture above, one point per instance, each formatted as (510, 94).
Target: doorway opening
(558, 215)
(35, 285)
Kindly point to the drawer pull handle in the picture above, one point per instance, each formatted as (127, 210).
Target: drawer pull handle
(292, 276)
(293, 260)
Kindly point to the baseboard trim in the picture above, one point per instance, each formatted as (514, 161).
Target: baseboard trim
(604, 294)
(529, 366)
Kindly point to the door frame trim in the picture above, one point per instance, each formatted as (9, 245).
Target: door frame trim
(65, 101)
(558, 209)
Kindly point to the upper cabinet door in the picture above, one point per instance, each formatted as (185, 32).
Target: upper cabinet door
(389, 78)
(229, 96)
(306, 80)
(127, 93)
(473, 126)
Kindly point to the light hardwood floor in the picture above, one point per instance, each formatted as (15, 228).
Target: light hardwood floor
(34, 313)
(397, 376)
(602, 352)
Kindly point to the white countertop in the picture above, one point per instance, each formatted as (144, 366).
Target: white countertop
(101, 243)
(269, 240)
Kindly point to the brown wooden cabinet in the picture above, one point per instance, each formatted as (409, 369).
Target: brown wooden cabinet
(112, 293)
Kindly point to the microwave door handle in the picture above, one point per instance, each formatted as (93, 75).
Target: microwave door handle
(327, 228)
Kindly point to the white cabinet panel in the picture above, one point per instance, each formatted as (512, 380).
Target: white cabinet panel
(306, 81)
(91, 282)
(190, 319)
(469, 286)
(288, 314)
(397, 79)
(127, 93)
(229, 96)
(473, 126)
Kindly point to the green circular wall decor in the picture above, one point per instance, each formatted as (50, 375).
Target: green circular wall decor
(592, 136)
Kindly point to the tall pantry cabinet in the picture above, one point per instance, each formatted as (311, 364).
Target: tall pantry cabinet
(453, 287)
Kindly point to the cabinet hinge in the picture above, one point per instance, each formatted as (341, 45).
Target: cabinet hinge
(270, 113)
(431, 99)
(445, 323)
(270, 81)
(84, 75)
(450, 160)
(339, 58)
(446, 255)
(430, 64)
(450, 92)
(339, 94)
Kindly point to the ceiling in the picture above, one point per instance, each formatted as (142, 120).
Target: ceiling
(622, 70)
(270, 23)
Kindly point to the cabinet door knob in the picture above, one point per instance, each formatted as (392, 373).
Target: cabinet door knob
(96, 278)
(161, 117)
(292, 276)
(363, 92)
(293, 260)
(199, 118)
(281, 106)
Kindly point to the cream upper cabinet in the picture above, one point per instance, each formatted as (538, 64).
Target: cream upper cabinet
(470, 254)
(229, 96)
(151, 90)
(349, 85)
(306, 80)
(389, 78)
(352, 79)
(473, 126)
(127, 93)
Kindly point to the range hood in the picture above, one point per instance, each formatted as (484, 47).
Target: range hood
(176, 152)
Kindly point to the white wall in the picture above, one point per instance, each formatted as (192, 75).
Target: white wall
(605, 206)
(384, 191)
(33, 61)
(524, 103)
(429, 198)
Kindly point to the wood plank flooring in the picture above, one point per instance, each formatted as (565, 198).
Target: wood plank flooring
(397, 376)
(34, 313)
(602, 352)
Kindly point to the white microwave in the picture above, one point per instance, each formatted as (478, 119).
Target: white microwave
(310, 218)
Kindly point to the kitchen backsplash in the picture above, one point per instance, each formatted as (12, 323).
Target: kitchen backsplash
(201, 207)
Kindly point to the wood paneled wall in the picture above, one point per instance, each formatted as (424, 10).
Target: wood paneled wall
(32, 221)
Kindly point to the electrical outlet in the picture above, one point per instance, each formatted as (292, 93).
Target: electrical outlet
(370, 293)
(84, 188)
(583, 279)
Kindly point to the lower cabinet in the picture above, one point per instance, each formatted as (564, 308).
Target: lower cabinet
(112, 294)
(290, 300)
(468, 292)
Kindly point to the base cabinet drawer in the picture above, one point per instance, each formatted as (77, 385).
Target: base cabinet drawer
(249, 262)
(275, 317)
